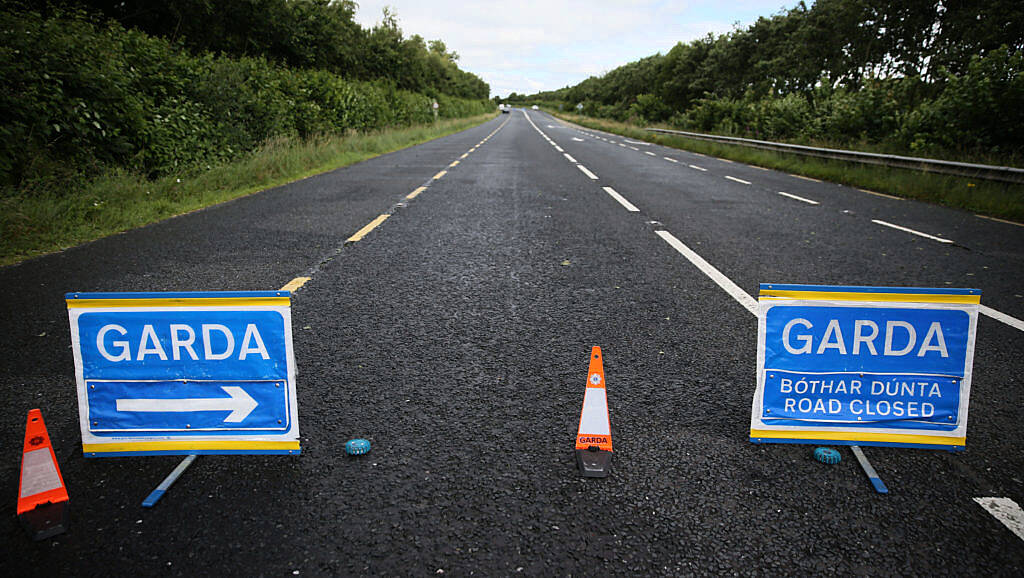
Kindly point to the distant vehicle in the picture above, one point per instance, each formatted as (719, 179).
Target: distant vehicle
(505, 109)
(535, 107)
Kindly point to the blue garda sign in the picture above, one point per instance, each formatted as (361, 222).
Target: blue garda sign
(864, 365)
(184, 373)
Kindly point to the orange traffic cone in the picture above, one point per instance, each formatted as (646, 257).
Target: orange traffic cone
(42, 497)
(594, 440)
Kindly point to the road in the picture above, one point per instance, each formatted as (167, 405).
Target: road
(455, 336)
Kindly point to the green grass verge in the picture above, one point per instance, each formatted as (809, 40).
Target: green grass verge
(48, 221)
(989, 198)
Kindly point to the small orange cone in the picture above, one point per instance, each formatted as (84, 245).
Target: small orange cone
(594, 440)
(42, 497)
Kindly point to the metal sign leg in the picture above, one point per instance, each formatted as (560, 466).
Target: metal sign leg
(870, 471)
(158, 493)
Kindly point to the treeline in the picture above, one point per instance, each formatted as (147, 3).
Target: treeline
(939, 77)
(163, 87)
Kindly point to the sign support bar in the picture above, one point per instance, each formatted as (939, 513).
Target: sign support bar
(160, 490)
(870, 471)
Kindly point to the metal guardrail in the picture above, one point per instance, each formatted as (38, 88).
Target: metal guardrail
(986, 172)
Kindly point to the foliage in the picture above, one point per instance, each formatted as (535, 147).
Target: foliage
(906, 75)
(82, 93)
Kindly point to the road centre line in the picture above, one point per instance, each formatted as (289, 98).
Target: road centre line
(295, 284)
(454, 164)
(464, 155)
(415, 193)
(1006, 511)
(698, 168)
(366, 230)
(911, 231)
(622, 200)
(587, 172)
(559, 149)
(571, 160)
(622, 145)
(634, 148)
(708, 269)
(741, 181)
(1002, 317)
(650, 153)
(808, 201)
(440, 174)
(671, 160)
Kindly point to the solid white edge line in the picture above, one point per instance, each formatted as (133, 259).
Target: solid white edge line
(587, 172)
(808, 201)
(741, 181)
(569, 157)
(911, 231)
(1000, 316)
(1006, 511)
(622, 200)
(708, 269)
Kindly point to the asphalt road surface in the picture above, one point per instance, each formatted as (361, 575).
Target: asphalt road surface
(455, 336)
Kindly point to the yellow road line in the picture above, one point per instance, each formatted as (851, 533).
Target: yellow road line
(440, 174)
(413, 194)
(295, 284)
(366, 230)
(454, 164)
(464, 155)
(999, 220)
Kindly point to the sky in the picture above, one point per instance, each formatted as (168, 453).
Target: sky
(527, 46)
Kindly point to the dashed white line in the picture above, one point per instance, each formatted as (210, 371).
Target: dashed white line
(568, 156)
(622, 200)
(698, 168)
(708, 269)
(1006, 511)
(1000, 316)
(634, 148)
(559, 149)
(911, 231)
(808, 201)
(587, 172)
(741, 181)
(650, 153)
(622, 145)
(671, 160)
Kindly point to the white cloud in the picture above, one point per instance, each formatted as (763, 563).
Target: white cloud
(534, 45)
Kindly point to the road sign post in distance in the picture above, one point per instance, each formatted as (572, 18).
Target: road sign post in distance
(184, 373)
(881, 366)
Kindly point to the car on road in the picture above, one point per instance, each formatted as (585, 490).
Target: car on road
(535, 107)
(505, 109)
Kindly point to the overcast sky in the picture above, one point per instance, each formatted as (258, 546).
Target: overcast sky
(526, 46)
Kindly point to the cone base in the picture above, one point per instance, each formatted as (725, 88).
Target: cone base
(45, 521)
(594, 462)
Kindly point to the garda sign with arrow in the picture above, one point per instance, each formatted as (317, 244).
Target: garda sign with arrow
(184, 373)
(884, 366)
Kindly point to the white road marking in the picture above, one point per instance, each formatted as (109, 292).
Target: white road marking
(911, 231)
(650, 153)
(559, 149)
(577, 139)
(634, 148)
(708, 269)
(587, 172)
(999, 220)
(1006, 511)
(741, 181)
(622, 145)
(805, 178)
(698, 168)
(613, 142)
(671, 160)
(646, 144)
(622, 200)
(1000, 316)
(880, 194)
(808, 201)
(571, 160)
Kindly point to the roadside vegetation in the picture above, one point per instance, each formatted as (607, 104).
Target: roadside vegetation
(118, 113)
(917, 78)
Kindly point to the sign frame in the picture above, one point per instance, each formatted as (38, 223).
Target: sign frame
(919, 433)
(246, 382)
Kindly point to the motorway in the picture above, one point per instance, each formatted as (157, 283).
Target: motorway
(455, 336)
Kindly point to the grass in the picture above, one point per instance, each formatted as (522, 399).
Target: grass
(47, 221)
(989, 198)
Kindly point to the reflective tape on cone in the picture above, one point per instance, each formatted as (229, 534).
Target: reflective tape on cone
(42, 496)
(595, 428)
